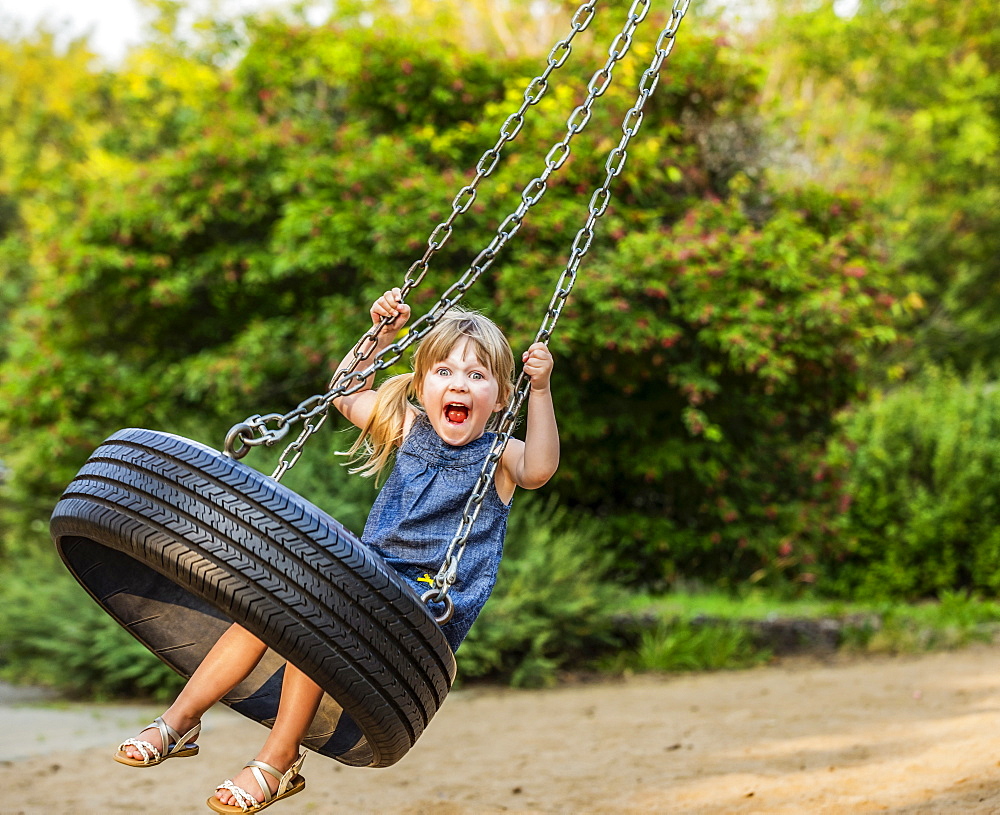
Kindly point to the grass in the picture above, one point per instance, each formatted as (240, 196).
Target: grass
(708, 630)
(753, 605)
(674, 646)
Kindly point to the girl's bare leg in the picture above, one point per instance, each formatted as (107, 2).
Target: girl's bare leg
(229, 662)
(300, 698)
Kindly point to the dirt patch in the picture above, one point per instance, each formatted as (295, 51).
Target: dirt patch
(901, 735)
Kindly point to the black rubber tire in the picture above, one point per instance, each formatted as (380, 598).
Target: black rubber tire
(176, 541)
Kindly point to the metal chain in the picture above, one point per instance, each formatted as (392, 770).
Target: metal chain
(448, 573)
(316, 407)
(531, 195)
(313, 411)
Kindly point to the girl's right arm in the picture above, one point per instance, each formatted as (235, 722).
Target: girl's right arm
(357, 406)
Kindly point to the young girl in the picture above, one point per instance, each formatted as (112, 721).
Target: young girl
(462, 376)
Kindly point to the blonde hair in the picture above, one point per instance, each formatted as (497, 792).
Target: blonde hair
(383, 432)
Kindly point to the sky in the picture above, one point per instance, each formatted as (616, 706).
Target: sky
(113, 25)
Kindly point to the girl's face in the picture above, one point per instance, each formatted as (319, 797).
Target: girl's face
(459, 394)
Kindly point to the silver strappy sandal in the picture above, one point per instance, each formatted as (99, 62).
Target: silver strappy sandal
(177, 746)
(289, 783)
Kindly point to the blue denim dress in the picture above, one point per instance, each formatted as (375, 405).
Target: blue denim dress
(418, 511)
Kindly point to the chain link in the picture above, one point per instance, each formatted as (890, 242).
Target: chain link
(448, 573)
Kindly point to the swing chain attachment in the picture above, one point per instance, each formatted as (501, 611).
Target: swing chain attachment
(448, 573)
(431, 596)
(254, 431)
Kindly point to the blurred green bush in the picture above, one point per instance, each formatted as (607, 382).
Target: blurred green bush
(916, 473)
(53, 635)
(553, 602)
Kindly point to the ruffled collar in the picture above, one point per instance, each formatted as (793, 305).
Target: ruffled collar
(424, 442)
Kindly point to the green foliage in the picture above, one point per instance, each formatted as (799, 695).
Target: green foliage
(196, 235)
(722, 348)
(685, 646)
(388, 80)
(688, 604)
(52, 634)
(229, 228)
(915, 478)
(958, 619)
(710, 630)
(549, 610)
(921, 83)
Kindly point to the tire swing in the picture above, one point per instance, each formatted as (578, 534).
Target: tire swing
(176, 541)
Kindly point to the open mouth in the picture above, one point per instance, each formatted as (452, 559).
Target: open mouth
(456, 413)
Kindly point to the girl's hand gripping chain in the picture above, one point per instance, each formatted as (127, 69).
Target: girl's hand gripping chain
(532, 463)
(357, 407)
(538, 366)
(389, 305)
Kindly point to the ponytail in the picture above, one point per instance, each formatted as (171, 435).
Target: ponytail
(383, 432)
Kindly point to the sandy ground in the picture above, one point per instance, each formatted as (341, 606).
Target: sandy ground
(900, 735)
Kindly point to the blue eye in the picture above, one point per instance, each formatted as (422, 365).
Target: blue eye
(477, 375)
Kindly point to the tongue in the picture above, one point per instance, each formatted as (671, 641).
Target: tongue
(456, 413)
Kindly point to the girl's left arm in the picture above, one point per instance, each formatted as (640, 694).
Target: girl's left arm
(532, 463)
